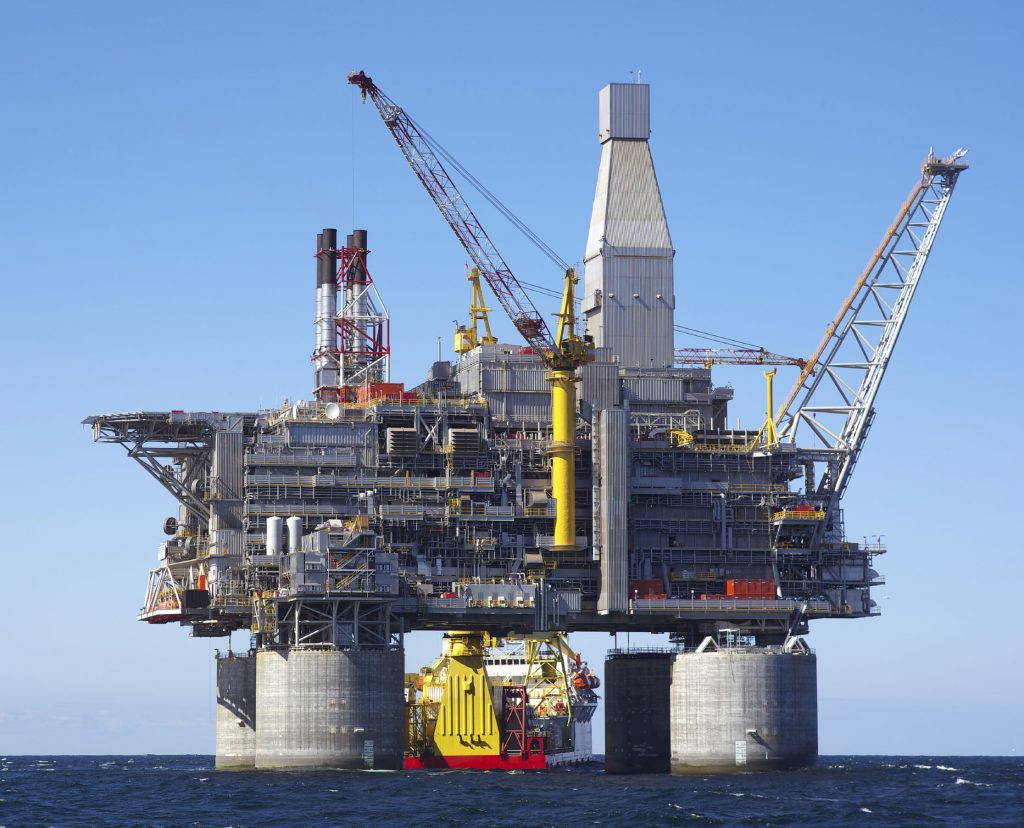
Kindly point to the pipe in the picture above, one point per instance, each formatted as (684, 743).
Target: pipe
(327, 375)
(563, 465)
(359, 305)
(359, 241)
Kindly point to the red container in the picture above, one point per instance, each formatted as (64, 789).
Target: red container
(647, 588)
(380, 391)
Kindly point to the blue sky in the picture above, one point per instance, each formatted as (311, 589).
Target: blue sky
(166, 168)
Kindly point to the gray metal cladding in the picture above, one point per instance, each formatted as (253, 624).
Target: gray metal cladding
(629, 299)
(502, 379)
(659, 389)
(634, 215)
(226, 492)
(628, 214)
(600, 384)
(227, 463)
(637, 313)
(315, 434)
(624, 111)
(614, 505)
(500, 368)
(512, 382)
(520, 408)
(339, 456)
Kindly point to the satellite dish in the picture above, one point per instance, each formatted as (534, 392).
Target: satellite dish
(333, 411)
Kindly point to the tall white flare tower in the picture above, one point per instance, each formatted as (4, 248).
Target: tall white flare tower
(629, 298)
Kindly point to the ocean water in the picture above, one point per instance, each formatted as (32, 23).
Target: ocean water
(186, 791)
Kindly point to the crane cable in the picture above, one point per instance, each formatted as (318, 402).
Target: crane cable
(538, 242)
(491, 198)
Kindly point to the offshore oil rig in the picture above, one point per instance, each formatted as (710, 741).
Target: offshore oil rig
(583, 479)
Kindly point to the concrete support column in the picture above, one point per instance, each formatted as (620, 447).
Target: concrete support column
(236, 712)
(636, 712)
(743, 709)
(330, 708)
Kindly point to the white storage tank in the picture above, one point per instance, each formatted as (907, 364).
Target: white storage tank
(275, 535)
(294, 534)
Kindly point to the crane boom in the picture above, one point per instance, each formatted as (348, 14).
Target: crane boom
(836, 402)
(417, 149)
(733, 356)
(562, 355)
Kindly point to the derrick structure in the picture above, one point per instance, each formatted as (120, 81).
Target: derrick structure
(524, 488)
(353, 326)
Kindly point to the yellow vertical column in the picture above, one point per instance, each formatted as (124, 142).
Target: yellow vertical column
(770, 435)
(563, 460)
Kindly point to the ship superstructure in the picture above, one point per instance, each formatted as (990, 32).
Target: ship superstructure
(328, 527)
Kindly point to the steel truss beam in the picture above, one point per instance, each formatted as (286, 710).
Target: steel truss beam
(152, 437)
(338, 622)
(839, 384)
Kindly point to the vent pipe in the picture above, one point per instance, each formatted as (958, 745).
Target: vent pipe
(325, 357)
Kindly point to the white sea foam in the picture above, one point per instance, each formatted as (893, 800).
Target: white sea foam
(962, 781)
(923, 767)
(943, 767)
(866, 811)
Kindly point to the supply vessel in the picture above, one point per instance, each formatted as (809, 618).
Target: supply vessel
(523, 703)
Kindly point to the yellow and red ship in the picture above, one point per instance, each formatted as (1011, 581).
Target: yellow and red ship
(522, 703)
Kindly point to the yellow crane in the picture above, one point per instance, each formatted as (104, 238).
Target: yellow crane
(467, 337)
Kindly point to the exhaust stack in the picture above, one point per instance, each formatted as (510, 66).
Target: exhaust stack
(328, 373)
(629, 301)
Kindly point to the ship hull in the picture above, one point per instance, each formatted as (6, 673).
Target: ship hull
(497, 762)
